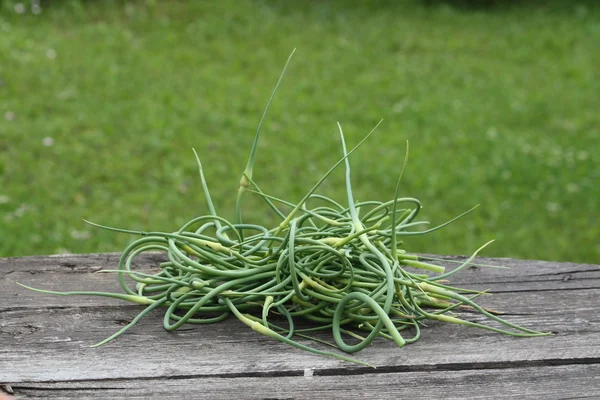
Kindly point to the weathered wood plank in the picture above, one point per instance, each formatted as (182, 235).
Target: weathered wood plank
(44, 343)
(527, 383)
(77, 263)
(58, 337)
(76, 272)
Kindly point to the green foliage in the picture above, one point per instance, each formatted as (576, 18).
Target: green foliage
(101, 103)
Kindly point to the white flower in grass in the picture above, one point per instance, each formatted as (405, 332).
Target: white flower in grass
(552, 207)
(80, 235)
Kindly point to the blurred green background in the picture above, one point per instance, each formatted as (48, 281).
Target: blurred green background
(102, 101)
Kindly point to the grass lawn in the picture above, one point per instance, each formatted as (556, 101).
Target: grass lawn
(101, 103)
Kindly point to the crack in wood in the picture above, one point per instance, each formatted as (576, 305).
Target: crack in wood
(67, 389)
(73, 308)
(568, 272)
(522, 280)
(7, 389)
(462, 366)
(529, 290)
(344, 371)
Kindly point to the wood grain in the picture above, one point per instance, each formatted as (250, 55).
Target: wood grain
(45, 353)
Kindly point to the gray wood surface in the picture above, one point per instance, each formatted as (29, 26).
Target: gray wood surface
(45, 353)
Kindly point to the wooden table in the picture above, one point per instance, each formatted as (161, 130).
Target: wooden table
(45, 353)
